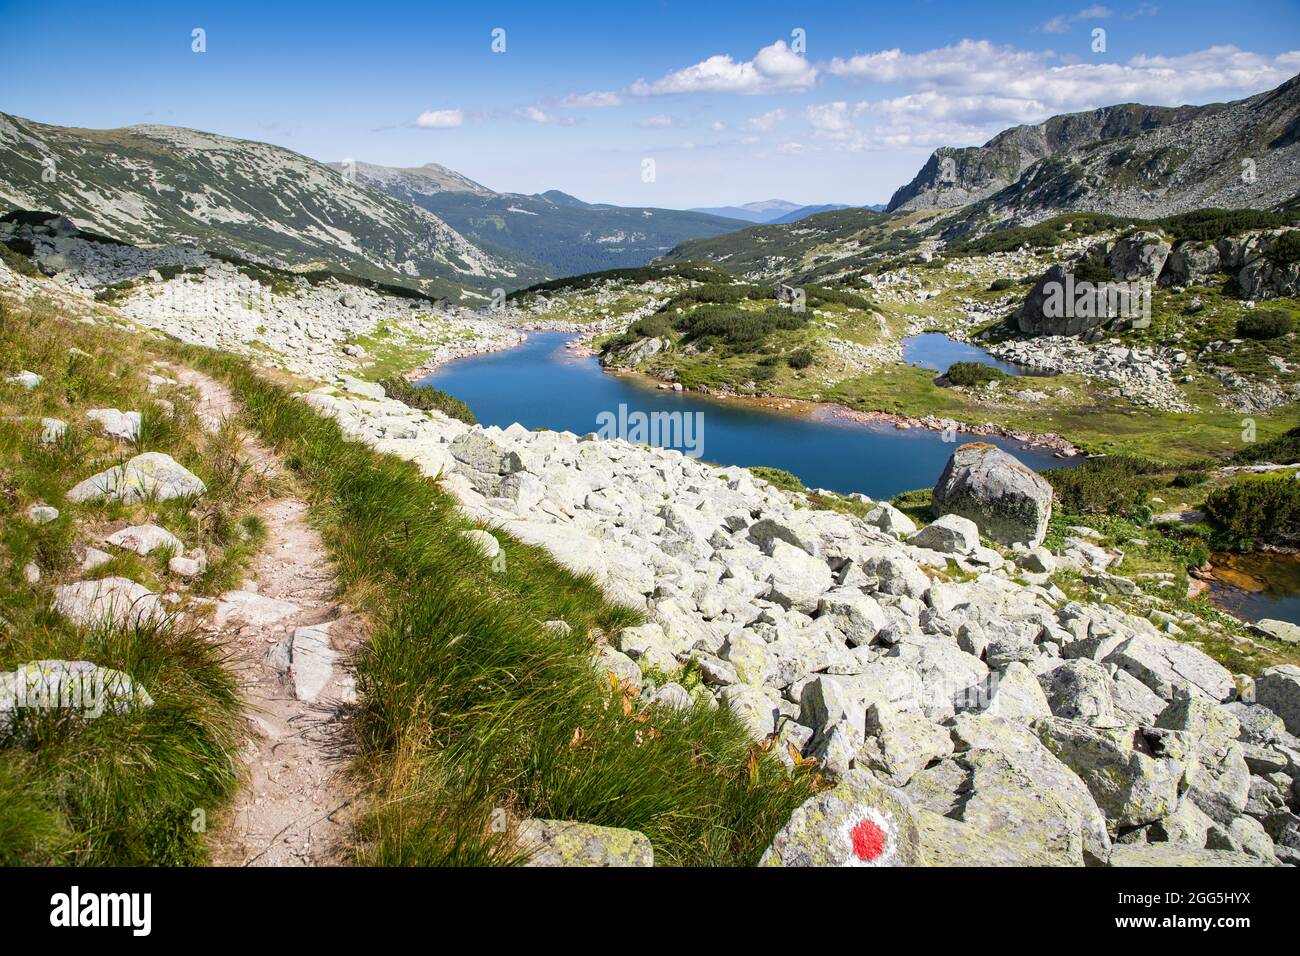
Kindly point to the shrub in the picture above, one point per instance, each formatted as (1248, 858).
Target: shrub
(778, 477)
(973, 373)
(1282, 450)
(1001, 285)
(1257, 510)
(1285, 248)
(1271, 324)
(1117, 485)
(800, 358)
(426, 398)
(17, 259)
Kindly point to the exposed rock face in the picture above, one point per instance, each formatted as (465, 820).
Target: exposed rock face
(1278, 689)
(859, 822)
(1008, 502)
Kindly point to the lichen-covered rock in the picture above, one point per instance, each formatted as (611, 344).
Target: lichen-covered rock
(859, 822)
(1177, 854)
(1278, 689)
(899, 743)
(1167, 666)
(1140, 255)
(80, 688)
(1131, 787)
(152, 476)
(1008, 501)
(1079, 689)
(561, 843)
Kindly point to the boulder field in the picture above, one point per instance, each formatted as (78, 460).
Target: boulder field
(964, 709)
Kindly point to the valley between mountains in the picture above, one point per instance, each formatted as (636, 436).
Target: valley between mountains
(330, 617)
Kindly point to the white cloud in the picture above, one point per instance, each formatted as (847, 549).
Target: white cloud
(830, 120)
(979, 81)
(440, 119)
(1062, 22)
(535, 114)
(594, 100)
(657, 122)
(717, 126)
(767, 120)
(774, 68)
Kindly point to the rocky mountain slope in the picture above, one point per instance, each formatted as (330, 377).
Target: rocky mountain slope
(1125, 160)
(557, 233)
(168, 185)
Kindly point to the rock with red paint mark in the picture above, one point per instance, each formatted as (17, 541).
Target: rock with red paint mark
(860, 822)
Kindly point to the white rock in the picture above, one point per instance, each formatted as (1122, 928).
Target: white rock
(28, 380)
(145, 539)
(120, 602)
(151, 476)
(42, 514)
(116, 424)
(239, 608)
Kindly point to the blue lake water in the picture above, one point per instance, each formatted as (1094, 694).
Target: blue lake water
(543, 385)
(937, 351)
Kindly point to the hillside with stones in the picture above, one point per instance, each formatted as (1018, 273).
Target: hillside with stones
(168, 186)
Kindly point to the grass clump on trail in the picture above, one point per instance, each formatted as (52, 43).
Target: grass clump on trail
(468, 703)
(119, 789)
(428, 399)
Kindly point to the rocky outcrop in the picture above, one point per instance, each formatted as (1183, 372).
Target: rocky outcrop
(1009, 502)
(858, 822)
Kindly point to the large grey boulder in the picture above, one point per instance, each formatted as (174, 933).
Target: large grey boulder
(1141, 255)
(1278, 689)
(1080, 689)
(1008, 501)
(1191, 263)
(950, 534)
(152, 476)
(859, 822)
(798, 579)
(1130, 786)
(1167, 666)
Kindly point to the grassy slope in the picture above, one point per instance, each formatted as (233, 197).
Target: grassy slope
(120, 789)
(468, 703)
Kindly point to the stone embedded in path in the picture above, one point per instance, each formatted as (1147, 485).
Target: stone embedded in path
(80, 687)
(311, 660)
(94, 558)
(1007, 500)
(117, 424)
(120, 602)
(151, 476)
(240, 608)
(859, 822)
(144, 539)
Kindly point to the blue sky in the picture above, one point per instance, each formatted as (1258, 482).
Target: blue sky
(730, 102)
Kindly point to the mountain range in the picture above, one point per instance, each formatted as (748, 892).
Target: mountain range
(551, 232)
(770, 211)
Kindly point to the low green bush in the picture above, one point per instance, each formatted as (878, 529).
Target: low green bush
(1116, 485)
(427, 398)
(1001, 285)
(1267, 324)
(800, 358)
(1257, 510)
(973, 373)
